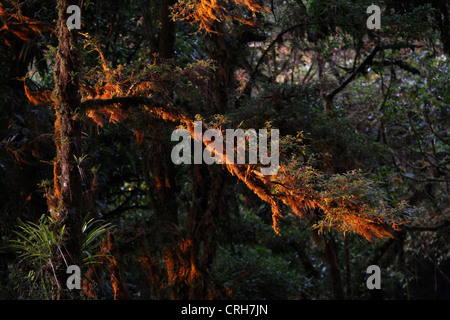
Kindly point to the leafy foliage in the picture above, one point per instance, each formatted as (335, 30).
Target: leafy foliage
(41, 248)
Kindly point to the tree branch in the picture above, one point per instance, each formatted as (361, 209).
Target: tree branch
(278, 38)
(436, 227)
(276, 189)
(133, 100)
(330, 96)
(167, 111)
(401, 64)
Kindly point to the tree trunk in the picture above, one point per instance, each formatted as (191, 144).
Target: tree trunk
(223, 80)
(167, 35)
(443, 22)
(329, 256)
(67, 180)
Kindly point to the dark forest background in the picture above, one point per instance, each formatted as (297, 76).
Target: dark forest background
(86, 175)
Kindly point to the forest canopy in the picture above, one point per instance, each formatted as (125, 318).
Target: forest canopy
(360, 117)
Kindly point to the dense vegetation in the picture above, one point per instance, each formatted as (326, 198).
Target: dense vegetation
(85, 149)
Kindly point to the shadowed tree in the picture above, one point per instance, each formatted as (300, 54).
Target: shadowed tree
(66, 201)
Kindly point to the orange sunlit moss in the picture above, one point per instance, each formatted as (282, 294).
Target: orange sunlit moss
(207, 12)
(21, 26)
(153, 271)
(108, 255)
(139, 136)
(178, 268)
(38, 98)
(88, 281)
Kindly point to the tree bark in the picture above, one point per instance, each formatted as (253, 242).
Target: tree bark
(67, 180)
(329, 256)
(167, 35)
(223, 79)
